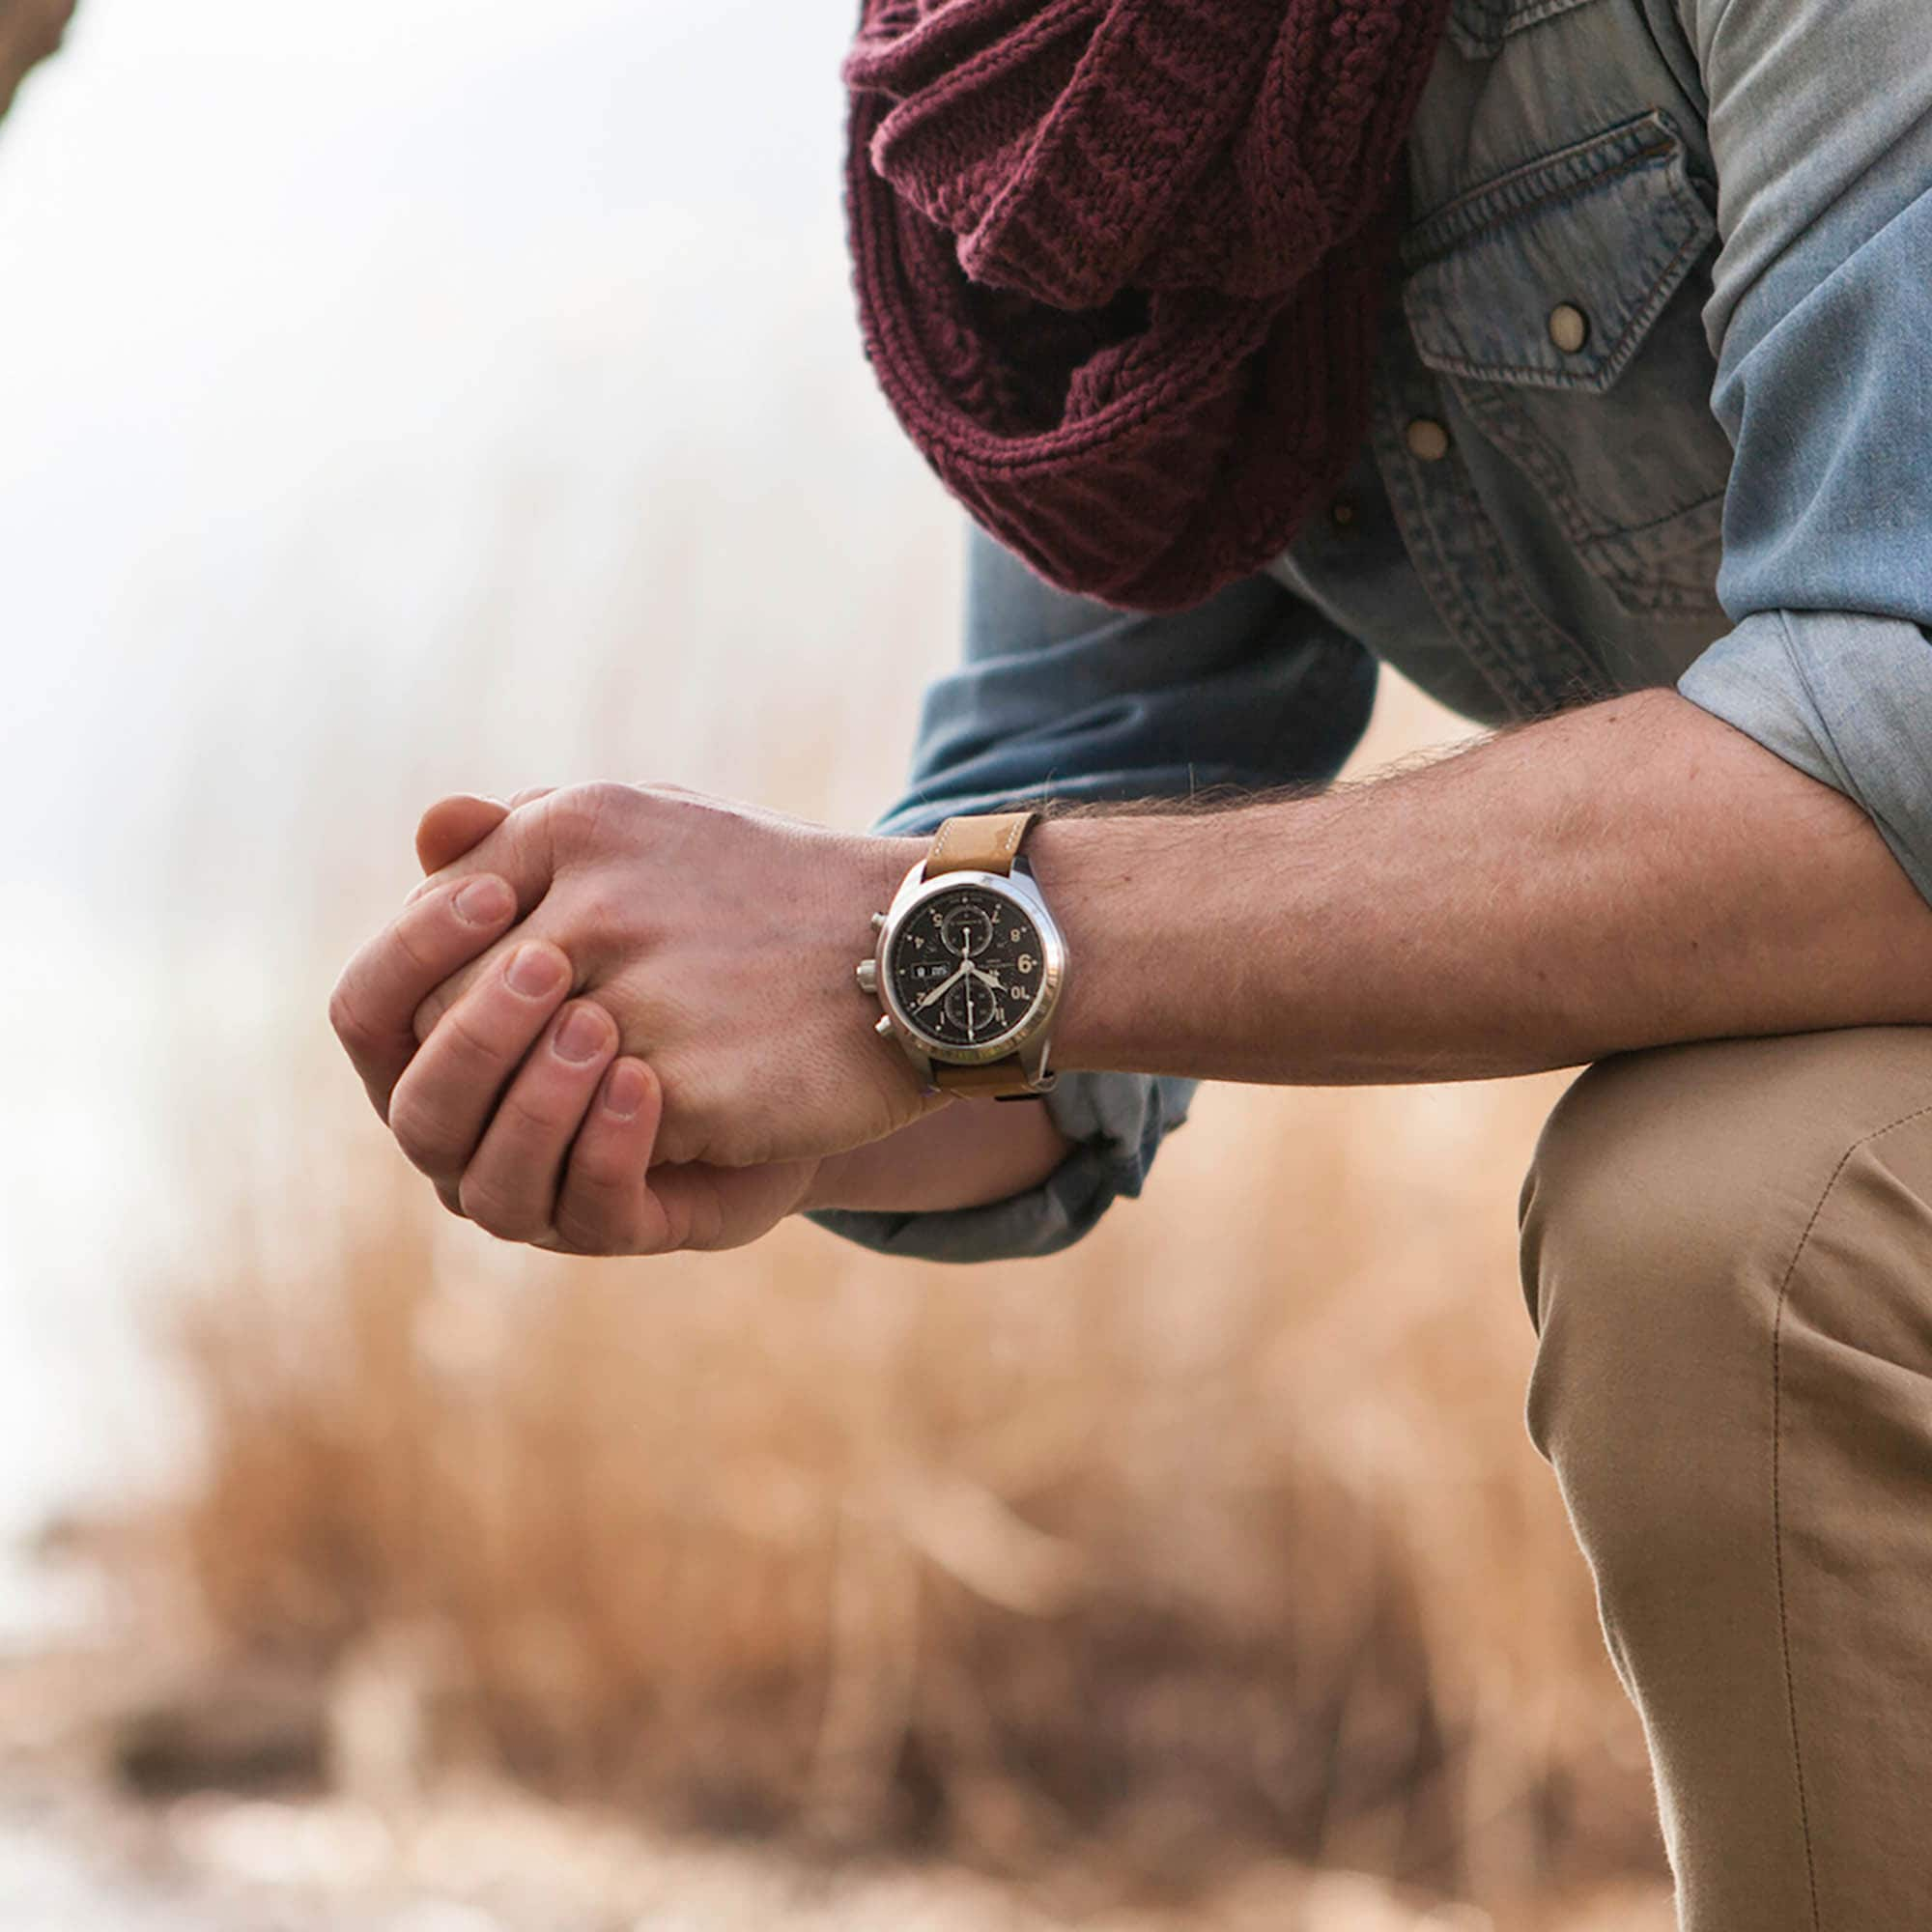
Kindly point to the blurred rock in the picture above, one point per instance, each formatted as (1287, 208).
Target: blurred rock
(257, 1727)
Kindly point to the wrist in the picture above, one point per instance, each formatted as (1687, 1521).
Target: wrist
(884, 862)
(967, 1154)
(1091, 869)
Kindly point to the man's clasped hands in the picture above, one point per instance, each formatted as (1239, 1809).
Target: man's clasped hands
(621, 1019)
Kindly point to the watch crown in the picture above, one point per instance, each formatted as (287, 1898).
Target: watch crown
(869, 975)
(882, 1024)
(878, 922)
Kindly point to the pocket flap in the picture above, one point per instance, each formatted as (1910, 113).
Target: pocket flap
(1480, 27)
(1607, 228)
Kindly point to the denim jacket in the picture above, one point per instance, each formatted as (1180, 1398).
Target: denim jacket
(1653, 406)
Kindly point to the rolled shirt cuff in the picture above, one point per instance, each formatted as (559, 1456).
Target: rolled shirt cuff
(1116, 1121)
(1845, 698)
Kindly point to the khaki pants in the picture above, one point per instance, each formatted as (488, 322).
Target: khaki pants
(1727, 1250)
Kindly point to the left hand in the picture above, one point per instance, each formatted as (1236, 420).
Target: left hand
(719, 938)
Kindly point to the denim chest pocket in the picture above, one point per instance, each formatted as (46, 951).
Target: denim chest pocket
(1480, 27)
(1560, 303)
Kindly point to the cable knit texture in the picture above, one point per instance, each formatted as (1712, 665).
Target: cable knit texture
(1120, 262)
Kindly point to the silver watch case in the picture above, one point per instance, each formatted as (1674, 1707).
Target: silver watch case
(1030, 1039)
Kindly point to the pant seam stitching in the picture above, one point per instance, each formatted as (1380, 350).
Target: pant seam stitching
(1777, 1470)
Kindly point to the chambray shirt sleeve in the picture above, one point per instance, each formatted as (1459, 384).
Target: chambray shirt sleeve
(1821, 126)
(1060, 697)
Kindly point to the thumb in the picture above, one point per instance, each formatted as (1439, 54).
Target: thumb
(453, 825)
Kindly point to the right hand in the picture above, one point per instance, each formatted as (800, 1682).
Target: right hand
(531, 1142)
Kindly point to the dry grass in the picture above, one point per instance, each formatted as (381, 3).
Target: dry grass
(1217, 1537)
(1215, 1543)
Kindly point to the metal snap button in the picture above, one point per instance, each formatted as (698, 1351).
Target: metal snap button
(1569, 328)
(1341, 513)
(1428, 439)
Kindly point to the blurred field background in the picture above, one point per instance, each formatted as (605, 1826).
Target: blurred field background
(457, 394)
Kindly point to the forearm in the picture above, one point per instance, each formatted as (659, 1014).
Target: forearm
(1618, 877)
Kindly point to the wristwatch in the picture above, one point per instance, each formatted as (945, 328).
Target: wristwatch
(970, 965)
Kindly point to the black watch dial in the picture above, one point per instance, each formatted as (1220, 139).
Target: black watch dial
(967, 967)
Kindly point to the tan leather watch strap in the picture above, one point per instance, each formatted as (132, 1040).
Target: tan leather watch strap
(982, 842)
(997, 1080)
(987, 842)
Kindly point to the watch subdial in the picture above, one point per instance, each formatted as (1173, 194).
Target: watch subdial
(966, 931)
(972, 1009)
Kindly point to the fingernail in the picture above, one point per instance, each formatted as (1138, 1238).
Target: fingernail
(624, 1091)
(582, 1034)
(484, 901)
(534, 971)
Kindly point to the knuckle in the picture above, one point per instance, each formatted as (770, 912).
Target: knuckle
(587, 1231)
(471, 1041)
(447, 998)
(412, 935)
(492, 1212)
(604, 795)
(601, 1172)
(599, 916)
(423, 1133)
(348, 1025)
(571, 814)
(530, 1118)
(576, 814)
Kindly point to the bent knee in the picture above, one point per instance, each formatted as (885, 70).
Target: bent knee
(1667, 1201)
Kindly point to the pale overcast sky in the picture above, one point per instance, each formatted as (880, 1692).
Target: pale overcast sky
(393, 395)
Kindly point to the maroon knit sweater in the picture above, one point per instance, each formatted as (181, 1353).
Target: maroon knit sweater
(1120, 261)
